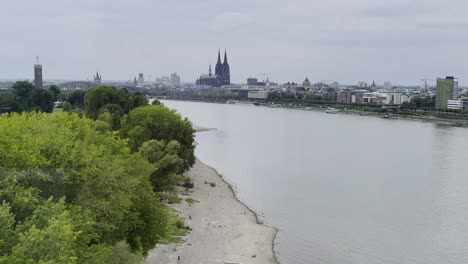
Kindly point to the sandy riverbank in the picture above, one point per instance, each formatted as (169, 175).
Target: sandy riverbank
(223, 229)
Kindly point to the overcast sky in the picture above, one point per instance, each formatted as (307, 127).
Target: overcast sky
(344, 40)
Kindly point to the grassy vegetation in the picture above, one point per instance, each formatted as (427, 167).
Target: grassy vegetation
(191, 201)
(170, 199)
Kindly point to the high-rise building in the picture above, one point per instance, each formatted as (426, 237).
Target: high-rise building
(344, 97)
(175, 79)
(446, 89)
(387, 85)
(252, 81)
(141, 79)
(38, 73)
(163, 79)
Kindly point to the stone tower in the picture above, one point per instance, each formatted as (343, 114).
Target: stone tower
(38, 73)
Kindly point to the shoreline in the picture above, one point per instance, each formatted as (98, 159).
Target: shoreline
(251, 211)
(224, 229)
(420, 118)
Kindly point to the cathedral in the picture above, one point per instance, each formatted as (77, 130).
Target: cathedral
(222, 74)
(97, 79)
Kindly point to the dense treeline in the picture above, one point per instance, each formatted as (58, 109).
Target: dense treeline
(86, 189)
(25, 97)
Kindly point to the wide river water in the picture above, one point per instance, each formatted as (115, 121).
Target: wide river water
(343, 188)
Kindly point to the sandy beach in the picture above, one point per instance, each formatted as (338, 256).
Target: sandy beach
(223, 229)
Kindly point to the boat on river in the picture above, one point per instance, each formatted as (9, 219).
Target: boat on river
(331, 110)
(389, 116)
(459, 124)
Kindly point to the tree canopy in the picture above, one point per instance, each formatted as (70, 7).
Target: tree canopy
(77, 189)
(76, 196)
(26, 97)
(157, 122)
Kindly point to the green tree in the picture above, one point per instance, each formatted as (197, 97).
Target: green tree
(22, 92)
(53, 244)
(159, 123)
(75, 98)
(67, 107)
(56, 91)
(111, 114)
(22, 200)
(101, 96)
(108, 199)
(137, 100)
(168, 164)
(156, 102)
(42, 100)
(7, 103)
(8, 235)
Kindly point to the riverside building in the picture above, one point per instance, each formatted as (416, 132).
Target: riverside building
(446, 89)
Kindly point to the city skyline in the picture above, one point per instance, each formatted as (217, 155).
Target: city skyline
(346, 41)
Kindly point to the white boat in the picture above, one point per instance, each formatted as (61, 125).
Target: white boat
(331, 111)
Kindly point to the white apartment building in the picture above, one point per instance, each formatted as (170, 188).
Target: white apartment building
(454, 104)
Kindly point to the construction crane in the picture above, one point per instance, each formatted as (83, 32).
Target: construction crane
(263, 74)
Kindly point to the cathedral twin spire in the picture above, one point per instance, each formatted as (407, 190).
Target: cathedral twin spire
(221, 76)
(222, 69)
(225, 57)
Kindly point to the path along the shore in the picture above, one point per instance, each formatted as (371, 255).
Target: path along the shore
(223, 229)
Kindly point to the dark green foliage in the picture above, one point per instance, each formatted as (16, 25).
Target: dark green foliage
(42, 100)
(160, 123)
(156, 102)
(168, 164)
(7, 103)
(137, 100)
(22, 92)
(8, 236)
(55, 90)
(102, 96)
(111, 114)
(25, 97)
(75, 98)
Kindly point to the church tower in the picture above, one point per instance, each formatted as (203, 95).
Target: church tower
(97, 79)
(226, 73)
(219, 66)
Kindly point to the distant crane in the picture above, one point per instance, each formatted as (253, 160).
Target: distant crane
(263, 74)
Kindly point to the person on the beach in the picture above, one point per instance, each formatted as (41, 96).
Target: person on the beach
(178, 258)
(190, 217)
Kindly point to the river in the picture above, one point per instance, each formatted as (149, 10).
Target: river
(343, 188)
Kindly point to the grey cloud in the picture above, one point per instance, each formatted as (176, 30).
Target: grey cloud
(345, 40)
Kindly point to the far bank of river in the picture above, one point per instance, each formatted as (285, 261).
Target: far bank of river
(414, 117)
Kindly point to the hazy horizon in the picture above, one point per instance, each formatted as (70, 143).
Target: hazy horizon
(345, 41)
